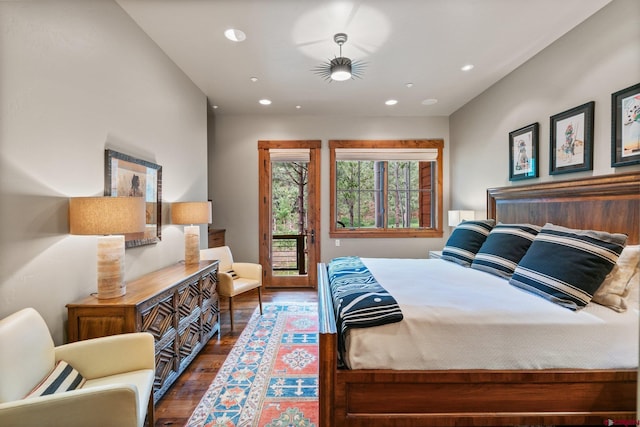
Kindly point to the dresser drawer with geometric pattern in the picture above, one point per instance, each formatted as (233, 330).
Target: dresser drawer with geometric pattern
(178, 305)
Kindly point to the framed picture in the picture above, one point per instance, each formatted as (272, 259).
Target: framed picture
(523, 153)
(128, 176)
(571, 145)
(625, 126)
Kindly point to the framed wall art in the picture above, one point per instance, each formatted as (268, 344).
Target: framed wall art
(523, 153)
(571, 144)
(625, 126)
(128, 176)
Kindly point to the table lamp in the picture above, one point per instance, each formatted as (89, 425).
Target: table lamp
(109, 218)
(456, 217)
(190, 214)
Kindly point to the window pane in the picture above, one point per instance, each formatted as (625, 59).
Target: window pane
(354, 174)
(376, 197)
(355, 192)
(288, 197)
(355, 209)
(402, 194)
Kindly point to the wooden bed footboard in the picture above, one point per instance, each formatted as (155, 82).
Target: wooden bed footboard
(388, 398)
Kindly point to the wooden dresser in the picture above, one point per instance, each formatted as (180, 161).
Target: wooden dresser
(216, 237)
(177, 304)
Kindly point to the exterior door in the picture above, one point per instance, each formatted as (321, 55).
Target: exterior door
(289, 212)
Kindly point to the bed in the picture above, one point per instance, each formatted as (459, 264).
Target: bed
(505, 395)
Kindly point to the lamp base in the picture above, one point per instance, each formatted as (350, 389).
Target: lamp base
(111, 267)
(192, 244)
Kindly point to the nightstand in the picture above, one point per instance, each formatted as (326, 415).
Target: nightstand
(216, 237)
(435, 254)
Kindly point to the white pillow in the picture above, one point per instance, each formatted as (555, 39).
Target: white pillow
(615, 288)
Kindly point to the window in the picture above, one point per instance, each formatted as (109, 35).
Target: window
(386, 188)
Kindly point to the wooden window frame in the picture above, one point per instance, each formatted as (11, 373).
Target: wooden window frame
(336, 232)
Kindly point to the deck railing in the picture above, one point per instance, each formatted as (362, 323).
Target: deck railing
(288, 253)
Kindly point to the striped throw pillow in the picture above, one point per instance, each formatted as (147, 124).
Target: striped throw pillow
(466, 240)
(567, 266)
(233, 274)
(63, 378)
(504, 248)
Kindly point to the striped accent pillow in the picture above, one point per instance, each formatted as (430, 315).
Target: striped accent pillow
(63, 378)
(466, 240)
(233, 274)
(567, 266)
(504, 248)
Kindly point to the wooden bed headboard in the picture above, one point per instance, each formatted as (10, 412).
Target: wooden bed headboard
(608, 203)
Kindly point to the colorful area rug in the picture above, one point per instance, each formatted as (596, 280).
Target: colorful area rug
(270, 377)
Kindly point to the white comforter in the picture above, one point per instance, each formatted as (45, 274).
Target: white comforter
(461, 318)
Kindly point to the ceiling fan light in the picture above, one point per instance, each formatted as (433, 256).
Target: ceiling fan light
(341, 69)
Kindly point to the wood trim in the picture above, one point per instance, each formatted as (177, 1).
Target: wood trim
(332, 190)
(264, 211)
(388, 233)
(308, 143)
(314, 214)
(386, 143)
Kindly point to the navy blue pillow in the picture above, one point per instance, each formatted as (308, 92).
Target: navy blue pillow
(504, 248)
(466, 240)
(567, 266)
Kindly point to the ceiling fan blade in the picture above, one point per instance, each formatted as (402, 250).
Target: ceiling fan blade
(312, 42)
(366, 49)
(352, 14)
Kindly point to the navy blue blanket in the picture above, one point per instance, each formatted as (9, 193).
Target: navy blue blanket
(358, 299)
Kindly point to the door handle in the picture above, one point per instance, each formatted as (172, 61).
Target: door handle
(313, 236)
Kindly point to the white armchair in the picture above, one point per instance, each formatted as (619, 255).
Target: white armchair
(234, 278)
(119, 371)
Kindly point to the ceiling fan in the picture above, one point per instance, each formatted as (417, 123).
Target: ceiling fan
(340, 68)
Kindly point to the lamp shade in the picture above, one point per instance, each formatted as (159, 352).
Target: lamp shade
(106, 215)
(456, 217)
(191, 213)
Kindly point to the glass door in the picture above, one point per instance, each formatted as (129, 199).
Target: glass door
(289, 212)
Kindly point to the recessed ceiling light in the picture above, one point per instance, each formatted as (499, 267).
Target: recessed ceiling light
(265, 101)
(391, 101)
(254, 79)
(429, 101)
(215, 107)
(409, 85)
(235, 35)
(467, 67)
(298, 107)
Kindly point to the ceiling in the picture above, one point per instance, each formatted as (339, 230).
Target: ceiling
(418, 43)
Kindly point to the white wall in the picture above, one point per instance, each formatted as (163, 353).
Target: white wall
(233, 184)
(76, 78)
(597, 58)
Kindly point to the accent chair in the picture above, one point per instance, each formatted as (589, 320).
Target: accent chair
(104, 381)
(234, 278)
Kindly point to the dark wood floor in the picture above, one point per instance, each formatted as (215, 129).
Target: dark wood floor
(178, 403)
